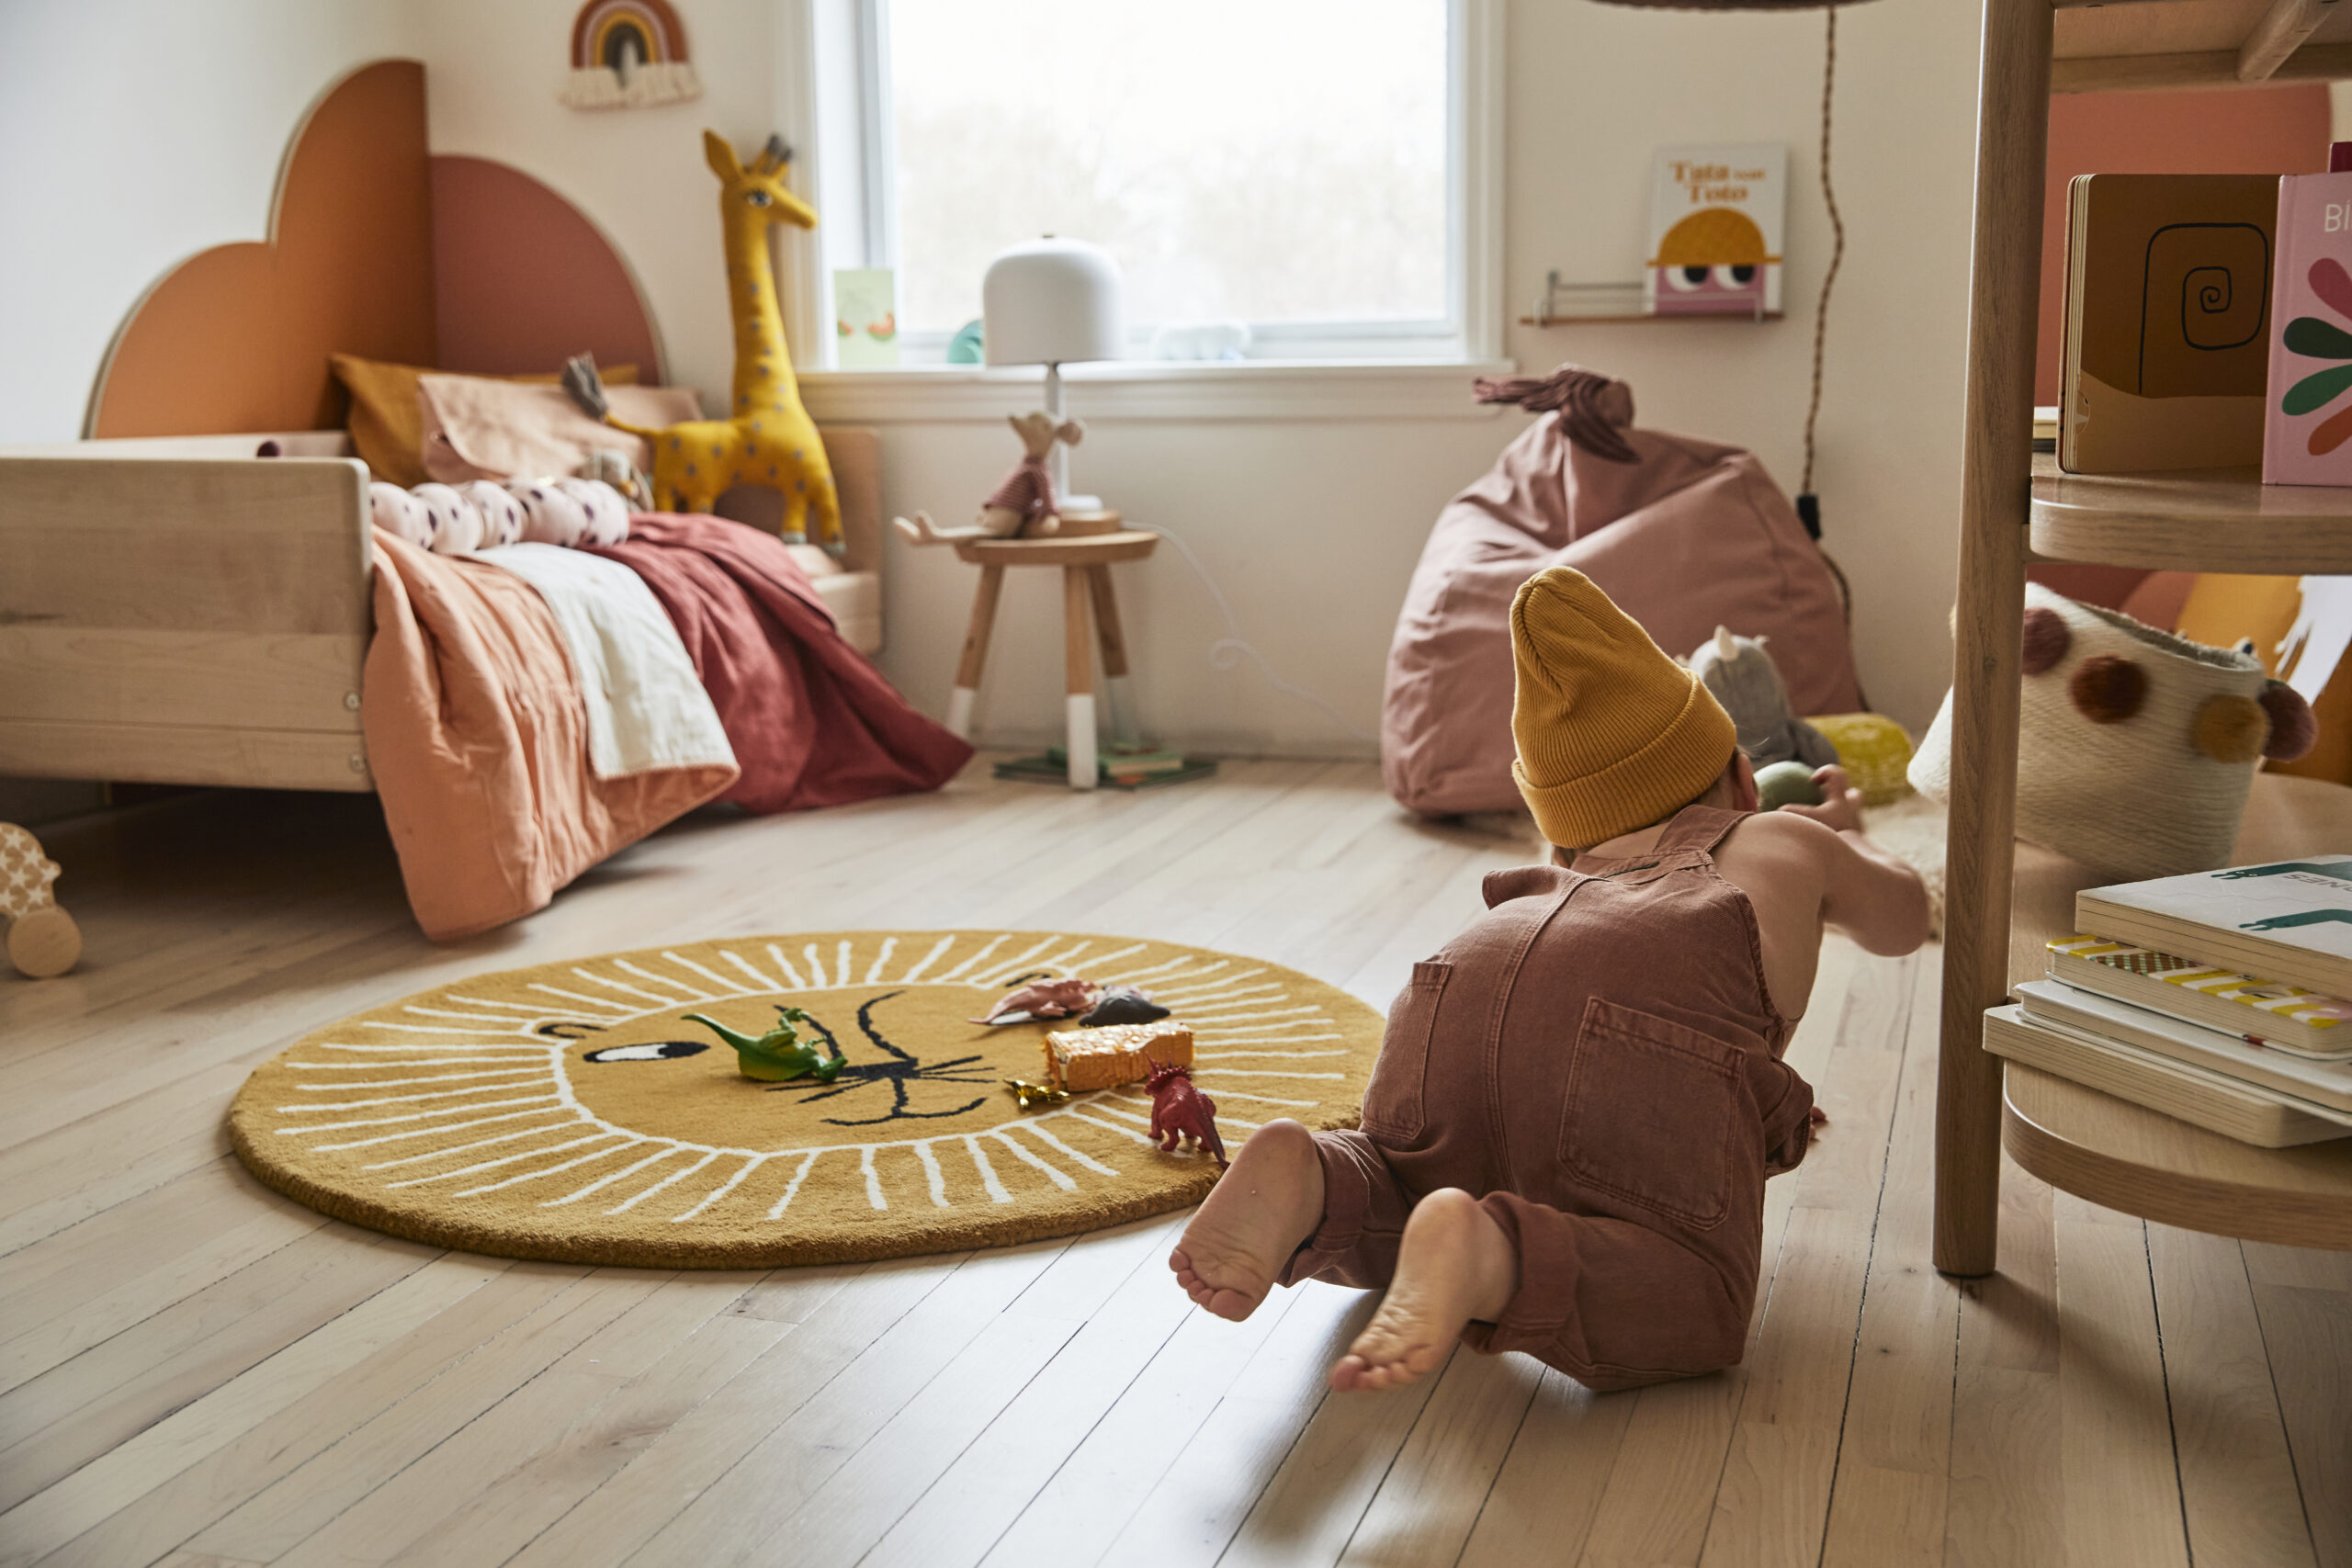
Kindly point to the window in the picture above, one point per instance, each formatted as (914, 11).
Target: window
(1318, 171)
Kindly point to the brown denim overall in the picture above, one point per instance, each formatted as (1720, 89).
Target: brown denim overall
(1598, 1059)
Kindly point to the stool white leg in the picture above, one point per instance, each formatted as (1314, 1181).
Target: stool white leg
(1085, 768)
(1078, 649)
(975, 652)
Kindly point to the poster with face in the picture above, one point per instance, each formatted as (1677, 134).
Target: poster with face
(1716, 216)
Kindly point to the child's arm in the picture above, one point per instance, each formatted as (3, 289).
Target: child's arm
(1865, 892)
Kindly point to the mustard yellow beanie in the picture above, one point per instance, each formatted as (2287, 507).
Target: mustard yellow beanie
(1611, 734)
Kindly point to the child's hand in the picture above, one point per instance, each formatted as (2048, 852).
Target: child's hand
(1841, 802)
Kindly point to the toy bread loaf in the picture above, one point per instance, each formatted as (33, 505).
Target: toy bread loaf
(1113, 1055)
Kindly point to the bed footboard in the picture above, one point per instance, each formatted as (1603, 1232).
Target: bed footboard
(183, 621)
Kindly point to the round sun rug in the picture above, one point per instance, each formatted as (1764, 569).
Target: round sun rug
(570, 1111)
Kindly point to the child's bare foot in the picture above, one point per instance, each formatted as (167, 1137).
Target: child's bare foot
(1453, 1265)
(1260, 1210)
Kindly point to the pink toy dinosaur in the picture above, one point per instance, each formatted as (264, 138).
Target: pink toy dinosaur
(1045, 999)
(1180, 1110)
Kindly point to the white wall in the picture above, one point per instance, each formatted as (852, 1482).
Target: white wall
(1311, 524)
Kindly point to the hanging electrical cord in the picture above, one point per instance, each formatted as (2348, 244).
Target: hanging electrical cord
(1226, 652)
(1809, 504)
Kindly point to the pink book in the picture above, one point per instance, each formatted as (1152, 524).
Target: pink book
(2307, 415)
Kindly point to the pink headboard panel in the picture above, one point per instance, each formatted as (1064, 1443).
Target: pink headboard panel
(523, 280)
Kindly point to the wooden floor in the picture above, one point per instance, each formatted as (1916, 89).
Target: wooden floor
(194, 1371)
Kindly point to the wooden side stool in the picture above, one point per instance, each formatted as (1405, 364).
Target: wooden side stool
(1086, 564)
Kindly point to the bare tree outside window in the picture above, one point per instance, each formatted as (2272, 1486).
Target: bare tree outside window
(1261, 161)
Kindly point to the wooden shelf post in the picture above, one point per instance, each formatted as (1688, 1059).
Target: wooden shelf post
(2012, 135)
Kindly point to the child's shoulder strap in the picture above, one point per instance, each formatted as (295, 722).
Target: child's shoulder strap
(1527, 882)
(1699, 827)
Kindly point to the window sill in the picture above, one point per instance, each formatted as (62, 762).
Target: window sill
(1256, 389)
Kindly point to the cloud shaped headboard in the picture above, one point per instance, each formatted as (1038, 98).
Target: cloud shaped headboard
(375, 248)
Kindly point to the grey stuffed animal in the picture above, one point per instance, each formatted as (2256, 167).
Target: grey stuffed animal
(1744, 679)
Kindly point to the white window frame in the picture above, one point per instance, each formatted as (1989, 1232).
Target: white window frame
(844, 137)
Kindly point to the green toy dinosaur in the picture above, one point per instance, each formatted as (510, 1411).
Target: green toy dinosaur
(779, 1055)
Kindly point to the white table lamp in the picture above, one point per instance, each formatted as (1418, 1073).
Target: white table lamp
(1052, 303)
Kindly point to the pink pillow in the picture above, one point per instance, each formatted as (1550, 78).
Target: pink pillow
(476, 428)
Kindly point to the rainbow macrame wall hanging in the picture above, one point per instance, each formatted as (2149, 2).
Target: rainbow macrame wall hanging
(628, 54)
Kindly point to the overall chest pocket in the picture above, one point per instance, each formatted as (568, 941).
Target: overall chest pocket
(1392, 1099)
(1650, 1114)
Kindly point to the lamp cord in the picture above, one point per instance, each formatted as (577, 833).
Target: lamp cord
(1226, 652)
(1836, 248)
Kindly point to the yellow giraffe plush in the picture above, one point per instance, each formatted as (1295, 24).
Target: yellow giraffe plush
(769, 439)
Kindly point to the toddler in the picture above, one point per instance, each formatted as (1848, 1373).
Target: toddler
(1565, 1139)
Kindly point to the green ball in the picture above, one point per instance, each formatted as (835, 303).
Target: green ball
(1785, 784)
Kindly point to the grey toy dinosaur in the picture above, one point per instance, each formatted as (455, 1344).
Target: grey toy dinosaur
(1744, 679)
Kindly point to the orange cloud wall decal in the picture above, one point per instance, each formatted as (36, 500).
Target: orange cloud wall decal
(236, 338)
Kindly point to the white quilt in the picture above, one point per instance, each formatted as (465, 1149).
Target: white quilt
(646, 708)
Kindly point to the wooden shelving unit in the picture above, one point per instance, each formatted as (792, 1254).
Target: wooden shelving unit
(2014, 508)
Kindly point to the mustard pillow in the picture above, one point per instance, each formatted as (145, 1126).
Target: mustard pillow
(2220, 609)
(388, 429)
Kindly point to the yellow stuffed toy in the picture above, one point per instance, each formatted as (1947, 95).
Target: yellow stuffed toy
(1874, 751)
(769, 439)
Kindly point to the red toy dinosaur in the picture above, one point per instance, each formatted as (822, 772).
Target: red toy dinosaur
(1180, 1110)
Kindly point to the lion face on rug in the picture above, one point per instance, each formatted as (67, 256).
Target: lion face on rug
(572, 1112)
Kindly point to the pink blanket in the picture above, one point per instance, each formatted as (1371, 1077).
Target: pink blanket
(479, 742)
(811, 721)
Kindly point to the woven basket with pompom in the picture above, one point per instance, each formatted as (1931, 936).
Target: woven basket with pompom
(2135, 748)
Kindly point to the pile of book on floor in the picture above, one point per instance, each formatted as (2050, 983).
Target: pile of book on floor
(1123, 764)
(2215, 998)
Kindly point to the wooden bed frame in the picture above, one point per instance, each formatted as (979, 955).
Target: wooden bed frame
(174, 610)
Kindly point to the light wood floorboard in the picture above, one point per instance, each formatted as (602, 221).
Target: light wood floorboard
(197, 1372)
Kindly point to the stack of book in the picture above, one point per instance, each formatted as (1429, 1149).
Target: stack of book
(1122, 764)
(2215, 998)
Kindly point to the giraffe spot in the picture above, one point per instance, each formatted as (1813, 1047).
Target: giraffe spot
(675, 444)
(690, 467)
(718, 451)
(796, 454)
(771, 470)
(801, 485)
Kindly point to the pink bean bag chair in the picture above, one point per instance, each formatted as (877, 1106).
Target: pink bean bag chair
(1684, 534)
